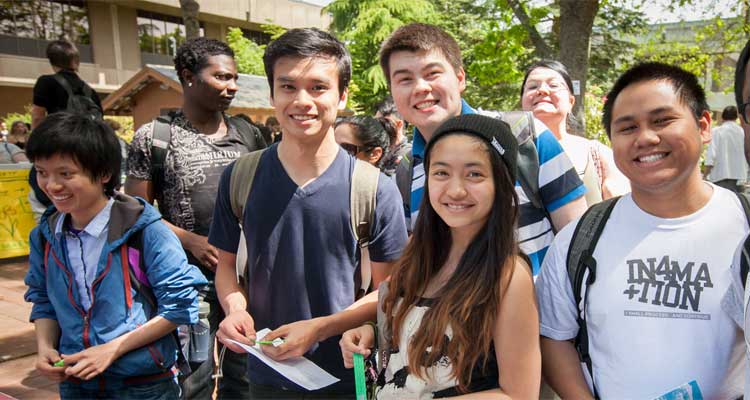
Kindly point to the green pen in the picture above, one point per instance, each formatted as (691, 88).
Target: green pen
(275, 342)
(60, 363)
(360, 384)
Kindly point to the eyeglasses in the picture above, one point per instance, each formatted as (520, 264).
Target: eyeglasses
(745, 112)
(552, 86)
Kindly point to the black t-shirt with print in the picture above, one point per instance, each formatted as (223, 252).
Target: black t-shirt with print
(192, 169)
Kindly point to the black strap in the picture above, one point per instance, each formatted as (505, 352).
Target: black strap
(745, 258)
(135, 241)
(65, 84)
(580, 260)
(160, 142)
(249, 134)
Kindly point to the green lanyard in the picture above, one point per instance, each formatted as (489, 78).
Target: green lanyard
(359, 377)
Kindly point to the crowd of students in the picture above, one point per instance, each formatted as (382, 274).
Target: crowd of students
(464, 263)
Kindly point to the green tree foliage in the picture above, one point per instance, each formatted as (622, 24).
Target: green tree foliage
(247, 54)
(363, 25)
(500, 38)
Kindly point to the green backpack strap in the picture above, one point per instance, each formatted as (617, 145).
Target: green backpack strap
(581, 260)
(241, 181)
(362, 199)
(240, 184)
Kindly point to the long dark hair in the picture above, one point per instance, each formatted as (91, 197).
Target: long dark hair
(469, 300)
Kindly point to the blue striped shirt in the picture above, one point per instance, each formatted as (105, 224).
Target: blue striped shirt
(559, 184)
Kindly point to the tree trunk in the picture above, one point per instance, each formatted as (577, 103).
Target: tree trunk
(576, 21)
(190, 10)
(541, 48)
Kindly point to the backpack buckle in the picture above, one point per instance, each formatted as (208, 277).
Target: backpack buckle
(363, 233)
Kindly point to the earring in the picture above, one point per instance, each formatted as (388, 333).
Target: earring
(190, 84)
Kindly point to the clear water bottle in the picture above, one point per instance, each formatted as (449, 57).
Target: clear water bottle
(200, 335)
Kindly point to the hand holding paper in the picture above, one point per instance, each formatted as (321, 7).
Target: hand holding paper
(299, 370)
(298, 336)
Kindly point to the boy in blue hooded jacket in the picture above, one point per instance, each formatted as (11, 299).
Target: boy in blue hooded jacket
(95, 333)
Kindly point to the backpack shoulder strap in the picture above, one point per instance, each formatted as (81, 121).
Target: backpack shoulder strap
(241, 181)
(161, 139)
(579, 261)
(745, 259)
(523, 127)
(249, 133)
(364, 188)
(64, 83)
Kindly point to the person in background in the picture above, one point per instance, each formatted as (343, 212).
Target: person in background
(123, 147)
(547, 92)
(725, 163)
(273, 124)
(400, 146)
(50, 93)
(365, 137)
(19, 134)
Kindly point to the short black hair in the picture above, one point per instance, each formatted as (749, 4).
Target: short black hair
(63, 54)
(685, 84)
(387, 108)
(309, 43)
(740, 74)
(90, 143)
(194, 53)
(729, 113)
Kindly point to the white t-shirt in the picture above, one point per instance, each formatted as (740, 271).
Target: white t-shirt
(654, 314)
(726, 153)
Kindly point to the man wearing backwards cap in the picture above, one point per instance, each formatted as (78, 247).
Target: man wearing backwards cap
(652, 303)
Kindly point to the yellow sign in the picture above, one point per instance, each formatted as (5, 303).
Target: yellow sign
(16, 218)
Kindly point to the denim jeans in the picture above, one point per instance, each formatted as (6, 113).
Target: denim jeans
(161, 390)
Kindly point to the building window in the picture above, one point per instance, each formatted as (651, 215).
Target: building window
(257, 37)
(27, 26)
(160, 33)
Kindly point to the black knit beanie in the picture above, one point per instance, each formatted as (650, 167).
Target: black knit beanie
(495, 132)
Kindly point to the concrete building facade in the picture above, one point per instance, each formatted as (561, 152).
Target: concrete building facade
(117, 38)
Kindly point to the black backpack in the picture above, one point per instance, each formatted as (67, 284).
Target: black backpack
(80, 103)
(581, 260)
(162, 139)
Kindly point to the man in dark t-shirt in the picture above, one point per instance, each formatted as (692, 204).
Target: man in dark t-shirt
(202, 141)
(301, 250)
(49, 96)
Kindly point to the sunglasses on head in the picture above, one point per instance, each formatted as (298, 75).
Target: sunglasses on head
(353, 149)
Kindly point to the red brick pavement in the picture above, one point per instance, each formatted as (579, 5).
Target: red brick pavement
(18, 378)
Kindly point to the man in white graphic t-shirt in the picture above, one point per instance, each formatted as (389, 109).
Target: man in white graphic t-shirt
(653, 314)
